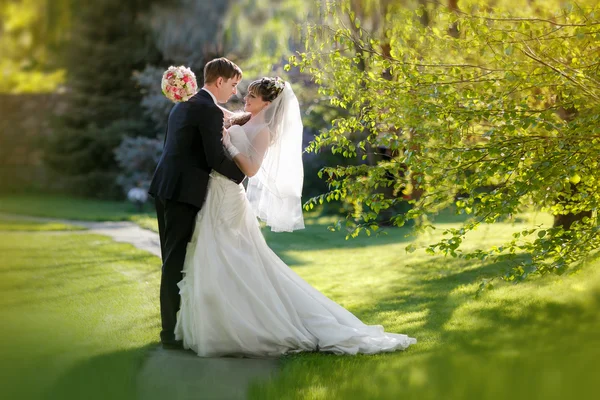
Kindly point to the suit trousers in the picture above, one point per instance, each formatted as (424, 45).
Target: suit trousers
(176, 222)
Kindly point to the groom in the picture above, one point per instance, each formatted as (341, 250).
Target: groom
(192, 149)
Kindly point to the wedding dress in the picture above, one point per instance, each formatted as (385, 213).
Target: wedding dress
(238, 298)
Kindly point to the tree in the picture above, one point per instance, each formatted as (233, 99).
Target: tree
(264, 32)
(109, 43)
(182, 40)
(137, 158)
(492, 110)
(258, 35)
(32, 35)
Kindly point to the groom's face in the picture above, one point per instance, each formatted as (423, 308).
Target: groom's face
(227, 88)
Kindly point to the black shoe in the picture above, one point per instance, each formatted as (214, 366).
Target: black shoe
(172, 344)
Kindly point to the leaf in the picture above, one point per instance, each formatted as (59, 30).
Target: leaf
(486, 142)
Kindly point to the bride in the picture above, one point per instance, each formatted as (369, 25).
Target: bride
(238, 298)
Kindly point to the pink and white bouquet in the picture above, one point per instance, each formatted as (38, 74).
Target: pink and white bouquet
(179, 84)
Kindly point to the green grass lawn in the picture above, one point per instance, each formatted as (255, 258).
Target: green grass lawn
(78, 313)
(538, 339)
(61, 207)
(51, 206)
(12, 224)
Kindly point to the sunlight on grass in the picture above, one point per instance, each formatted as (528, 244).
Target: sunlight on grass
(516, 341)
(16, 224)
(78, 312)
(146, 221)
(93, 304)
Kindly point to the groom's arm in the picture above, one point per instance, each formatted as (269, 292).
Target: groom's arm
(214, 150)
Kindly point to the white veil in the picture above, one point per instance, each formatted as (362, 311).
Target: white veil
(275, 191)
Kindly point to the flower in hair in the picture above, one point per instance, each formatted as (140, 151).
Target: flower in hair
(279, 83)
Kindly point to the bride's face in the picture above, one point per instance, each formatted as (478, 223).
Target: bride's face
(254, 103)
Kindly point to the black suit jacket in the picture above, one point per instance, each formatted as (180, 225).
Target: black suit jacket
(192, 149)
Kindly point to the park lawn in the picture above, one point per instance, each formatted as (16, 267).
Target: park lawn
(78, 314)
(12, 224)
(71, 208)
(536, 340)
(146, 221)
(62, 207)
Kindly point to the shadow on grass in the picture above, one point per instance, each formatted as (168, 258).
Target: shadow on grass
(429, 290)
(449, 216)
(526, 345)
(317, 236)
(554, 327)
(542, 327)
(106, 376)
(444, 375)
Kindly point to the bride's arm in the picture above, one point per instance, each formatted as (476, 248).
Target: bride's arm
(249, 164)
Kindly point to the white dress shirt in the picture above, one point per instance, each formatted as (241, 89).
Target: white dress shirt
(211, 95)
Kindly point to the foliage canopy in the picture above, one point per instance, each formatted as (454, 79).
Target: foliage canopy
(494, 110)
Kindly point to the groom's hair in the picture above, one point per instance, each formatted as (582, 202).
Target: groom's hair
(221, 67)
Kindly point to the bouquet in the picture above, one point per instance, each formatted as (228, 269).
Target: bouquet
(179, 84)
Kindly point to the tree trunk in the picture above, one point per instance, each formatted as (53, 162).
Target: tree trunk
(453, 30)
(566, 220)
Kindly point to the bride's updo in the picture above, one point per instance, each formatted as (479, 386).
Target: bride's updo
(267, 89)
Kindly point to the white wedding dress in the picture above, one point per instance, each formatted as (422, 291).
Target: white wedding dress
(238, 298)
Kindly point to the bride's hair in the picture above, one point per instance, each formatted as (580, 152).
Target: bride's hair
(267, 89)
(239, 118)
